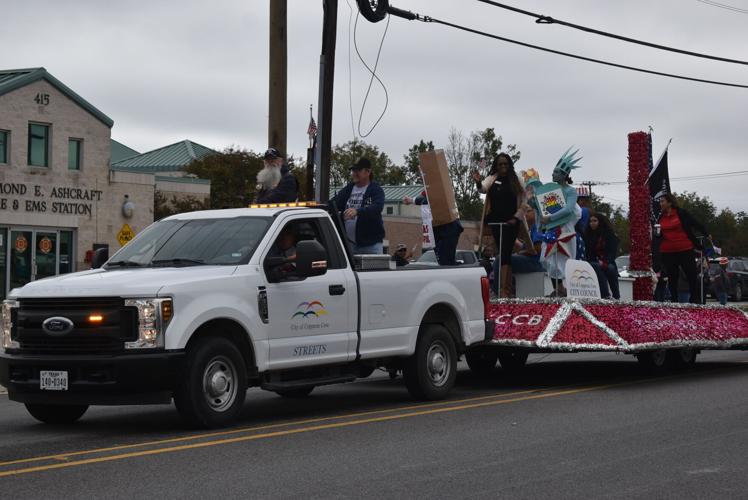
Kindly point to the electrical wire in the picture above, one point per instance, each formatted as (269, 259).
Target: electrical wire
(428, 19)
(541, 19)
(350, 84)
(373, 76)
(724, 6)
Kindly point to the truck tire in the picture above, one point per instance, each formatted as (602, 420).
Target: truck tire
(214, 383)
(482, 361)
(56, 414)
(654, 361)
(431, 371)
(513, 360)
(299, 392)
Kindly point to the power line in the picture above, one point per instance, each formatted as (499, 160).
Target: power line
(720, 175)
(373, 76)
(724, 6)
(542, 19)
(428, 19)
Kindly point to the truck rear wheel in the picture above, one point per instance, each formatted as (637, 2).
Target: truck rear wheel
(512, 360)
(214, 383)
(681, 359)
(431, 371)
(482, 361)
(56, 414)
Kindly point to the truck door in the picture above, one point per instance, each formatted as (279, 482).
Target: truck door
(311, 321)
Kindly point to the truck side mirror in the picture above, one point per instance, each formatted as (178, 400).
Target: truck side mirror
(311, 259)
(100, 256)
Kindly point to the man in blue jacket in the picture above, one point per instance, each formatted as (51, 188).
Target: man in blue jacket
(362, 202)
(275, 182)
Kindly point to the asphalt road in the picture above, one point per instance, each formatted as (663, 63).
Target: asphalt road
(579, 425)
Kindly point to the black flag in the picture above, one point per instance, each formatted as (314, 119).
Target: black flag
(659, 183)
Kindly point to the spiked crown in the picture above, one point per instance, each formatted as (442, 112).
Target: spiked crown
(567, 162)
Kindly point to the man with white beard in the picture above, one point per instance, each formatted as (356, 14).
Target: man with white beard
(275, 182)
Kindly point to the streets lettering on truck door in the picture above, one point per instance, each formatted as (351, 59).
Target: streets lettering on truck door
(309, 350)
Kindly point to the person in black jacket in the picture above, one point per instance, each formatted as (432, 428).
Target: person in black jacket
(275, 182)
(675, 230)
(601, 247)
(361, 203)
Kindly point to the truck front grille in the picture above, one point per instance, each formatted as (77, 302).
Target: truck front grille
(119, 324)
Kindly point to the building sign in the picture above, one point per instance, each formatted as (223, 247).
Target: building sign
(45, 245)
(125, 234)
(21, 244)
(32, 198)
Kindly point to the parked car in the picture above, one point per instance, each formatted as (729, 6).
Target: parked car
(737, 273)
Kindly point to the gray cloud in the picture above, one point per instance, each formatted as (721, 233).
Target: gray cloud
(169, 70)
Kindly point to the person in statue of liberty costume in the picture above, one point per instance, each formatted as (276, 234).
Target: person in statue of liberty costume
(559, 236)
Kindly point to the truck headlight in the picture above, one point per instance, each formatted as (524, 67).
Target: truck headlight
(9, 311)
(153, 318)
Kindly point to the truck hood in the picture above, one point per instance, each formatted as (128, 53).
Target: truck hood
(138, 282)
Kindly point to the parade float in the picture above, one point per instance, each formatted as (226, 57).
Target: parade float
(658, 333)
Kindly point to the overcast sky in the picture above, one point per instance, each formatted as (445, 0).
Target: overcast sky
(165, 71)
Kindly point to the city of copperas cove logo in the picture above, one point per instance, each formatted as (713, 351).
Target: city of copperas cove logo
(583, 284)
(313, 309)
(308, 310)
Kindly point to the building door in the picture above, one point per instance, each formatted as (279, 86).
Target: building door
(21, 260)
(45, 254)
(3, 261)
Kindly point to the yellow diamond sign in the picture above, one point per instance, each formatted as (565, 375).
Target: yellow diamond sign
(125, 234)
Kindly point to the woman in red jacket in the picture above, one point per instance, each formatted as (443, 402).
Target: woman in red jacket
(677, 244)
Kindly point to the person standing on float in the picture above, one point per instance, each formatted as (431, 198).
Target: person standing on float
(560, 242)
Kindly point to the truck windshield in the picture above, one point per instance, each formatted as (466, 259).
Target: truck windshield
(193, 242)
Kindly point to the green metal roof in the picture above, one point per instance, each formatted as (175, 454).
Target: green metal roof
(121, 152)
(12, 79)
(181, 180)
(392, 194)
(171, 158)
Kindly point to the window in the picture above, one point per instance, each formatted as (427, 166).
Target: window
(38, 145)
(75, 147)
(390, 210)
(3, 146)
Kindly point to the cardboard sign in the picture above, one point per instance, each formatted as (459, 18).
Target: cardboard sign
(439, 189)
(581, 280)
(428, 229)
(550, 200)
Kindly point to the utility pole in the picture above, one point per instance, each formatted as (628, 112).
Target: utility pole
(278, 81)
(324, 106)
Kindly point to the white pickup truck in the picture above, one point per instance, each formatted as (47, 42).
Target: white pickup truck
(200, 306)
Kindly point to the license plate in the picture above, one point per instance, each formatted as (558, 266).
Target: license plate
(53, 380)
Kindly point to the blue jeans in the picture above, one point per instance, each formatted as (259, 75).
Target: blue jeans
(722, 297)
(375, 249)
(684, 297)
(447, 236)
(608, 280)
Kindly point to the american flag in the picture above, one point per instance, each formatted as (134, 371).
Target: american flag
(311, 131)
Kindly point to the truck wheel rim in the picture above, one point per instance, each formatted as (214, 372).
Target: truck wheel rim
(219, 383)
(437, 364)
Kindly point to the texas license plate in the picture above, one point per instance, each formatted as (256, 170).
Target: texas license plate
(53, 380)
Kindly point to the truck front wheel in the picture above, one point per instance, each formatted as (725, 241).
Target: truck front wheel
(214, 384)
(431, 372)
(56, 414)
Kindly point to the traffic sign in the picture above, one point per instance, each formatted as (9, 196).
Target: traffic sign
(125, 234)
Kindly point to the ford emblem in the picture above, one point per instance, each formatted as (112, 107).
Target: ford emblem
(57, 325)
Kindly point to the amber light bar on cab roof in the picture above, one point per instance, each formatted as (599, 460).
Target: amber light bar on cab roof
(297, 204)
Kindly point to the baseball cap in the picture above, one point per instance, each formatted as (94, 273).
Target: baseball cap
(723, 261)
(271, 154)
(361, 163)
(401, 246)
